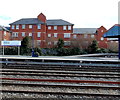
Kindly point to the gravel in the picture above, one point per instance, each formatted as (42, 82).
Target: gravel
(60, 89)
(24, 96)
(58, 77)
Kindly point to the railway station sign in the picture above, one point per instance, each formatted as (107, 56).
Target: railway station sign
(11, 43)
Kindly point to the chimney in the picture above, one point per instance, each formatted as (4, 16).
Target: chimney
(42, 17)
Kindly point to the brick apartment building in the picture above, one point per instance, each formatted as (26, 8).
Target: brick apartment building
(45, 33)
(84, 36)
(4, 34)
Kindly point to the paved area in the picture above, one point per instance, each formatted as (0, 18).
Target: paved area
(77, 58)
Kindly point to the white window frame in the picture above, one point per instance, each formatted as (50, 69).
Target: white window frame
(55, 27)
(38, 42)
(55, 42)
(49, 35)
(102, 30)
(92, 36)
(4, 33)
(85, 35)
(23, 34)
(30, 34)
(101, 38)
(69, 27)
(49, 43)
(74, 36)
(17, 27)
(55, 35)
(39, 26)
(49, 27)
(38, 34)
(67, 43)
(64, 27)
(15, 34)
(13, 26)
(30, 26)
(23, 26)
(67, 35)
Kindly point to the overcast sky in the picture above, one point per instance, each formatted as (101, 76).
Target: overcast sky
(82, 13)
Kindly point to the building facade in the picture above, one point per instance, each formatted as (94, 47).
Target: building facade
(5, 34)
(84, 37)
(44, 33)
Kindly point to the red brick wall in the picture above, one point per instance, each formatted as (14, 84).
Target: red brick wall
(99, 36)
(42, 17)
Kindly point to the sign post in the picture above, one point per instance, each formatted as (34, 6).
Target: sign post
(11, 43)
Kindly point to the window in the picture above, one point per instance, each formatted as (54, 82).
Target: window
(30, 34)
(55, 42)
(23, 26)
(38, 42)
(102, 31)
(64, 27)
(55, 34)
(102, 38)
(66, 35)
(23, 34)
(85, 35)
(67, 43)
(39, 26)
(92, 36)
(69, 27)
(74, 36)
(17, 26)
(49, 43)
(49, 35)
(4, 33)
(55, 27)
(30, 26)
(15, 34)
(13, 27)
(49, 27)
(38, 34)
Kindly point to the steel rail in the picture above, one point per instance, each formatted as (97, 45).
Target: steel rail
(60, 80)
(54, 71)
(61, 85)
(59, 93)
(60, 75)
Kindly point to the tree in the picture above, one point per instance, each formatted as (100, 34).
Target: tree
(26, 42)
(26, 46)
(60, 43)
(93, 48)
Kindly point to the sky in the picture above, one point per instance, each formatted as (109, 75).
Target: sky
(82, 13)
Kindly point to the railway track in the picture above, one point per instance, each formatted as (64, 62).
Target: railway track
(61, 81)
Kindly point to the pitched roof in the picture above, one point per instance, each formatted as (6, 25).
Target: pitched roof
(3, 28)
(58, 22)
(85, 30)
(28, 21)
(36, 21)
(113, 32)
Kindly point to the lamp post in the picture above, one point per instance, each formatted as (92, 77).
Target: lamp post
(32, 41)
